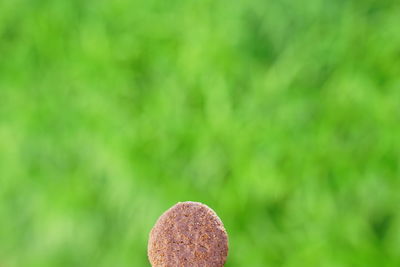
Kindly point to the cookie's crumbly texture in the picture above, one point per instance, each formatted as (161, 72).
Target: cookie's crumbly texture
(188, 234)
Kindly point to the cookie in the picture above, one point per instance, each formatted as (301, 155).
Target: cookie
(188, 234)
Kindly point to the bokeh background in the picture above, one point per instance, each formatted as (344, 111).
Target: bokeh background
(283, 116)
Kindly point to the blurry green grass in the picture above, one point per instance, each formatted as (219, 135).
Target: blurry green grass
(283, 116)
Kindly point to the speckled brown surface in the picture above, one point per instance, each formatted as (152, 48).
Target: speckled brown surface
(188, 234)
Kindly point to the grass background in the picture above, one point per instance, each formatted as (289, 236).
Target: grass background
(283, 116)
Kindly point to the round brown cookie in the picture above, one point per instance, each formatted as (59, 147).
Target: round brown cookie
(188, 234)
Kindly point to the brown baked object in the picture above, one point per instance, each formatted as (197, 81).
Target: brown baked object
(188, 234)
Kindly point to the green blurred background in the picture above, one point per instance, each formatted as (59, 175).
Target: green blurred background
(283, 116)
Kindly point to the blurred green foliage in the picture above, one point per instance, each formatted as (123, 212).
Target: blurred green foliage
(283, 116)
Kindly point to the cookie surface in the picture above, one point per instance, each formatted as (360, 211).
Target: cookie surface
(188, 234)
